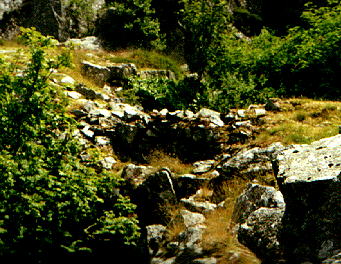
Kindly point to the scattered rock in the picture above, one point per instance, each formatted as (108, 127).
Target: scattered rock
(108, 162)
(198, 206)
(191, 219)
(211, 116)
(261, 232)
(152, 197)
(136, 174)
(259, 211)
(203, 166)
(98, 73)
(160, 74)
(88, 43)
(254, 197)
(73, 95)
(211, 260)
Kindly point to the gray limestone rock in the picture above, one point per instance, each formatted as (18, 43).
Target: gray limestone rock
(100, 74)
(203, 166)
(155, 236)
(309, 178)
(254, 197)
(161, 74)
(7, 6)
(88, 43)
(210, 260)
(259, 211)
(153, 196)
(211, 116)
(136, 173)
(202, 207)
(261, 232)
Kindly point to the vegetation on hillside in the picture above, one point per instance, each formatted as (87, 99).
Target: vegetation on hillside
(51, 204)
(234, 70)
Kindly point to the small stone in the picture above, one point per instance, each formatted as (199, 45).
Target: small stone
(86, 131)
(67, 80)
(101, 140)
(73, 94)
(108, 162)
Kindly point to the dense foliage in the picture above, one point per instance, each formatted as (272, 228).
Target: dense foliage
(51, 205)
(130, 23)
(235, 70)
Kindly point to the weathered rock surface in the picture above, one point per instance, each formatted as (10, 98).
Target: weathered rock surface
(259, 211)
(254, 197)
(152, 197)
(155, 236)
(161, 74)
(87, 43)
(109, 73)
(309, 178)
(252, 163)
(7, 6)
(57, 18)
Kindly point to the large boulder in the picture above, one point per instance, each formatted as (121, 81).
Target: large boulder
(153, 196)
(258, 212)
(309, 178)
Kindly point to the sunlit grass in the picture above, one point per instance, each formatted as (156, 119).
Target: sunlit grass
(307, 121)
(219, 236)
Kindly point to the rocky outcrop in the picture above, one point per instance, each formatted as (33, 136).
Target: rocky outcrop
(117, 74)
(58, 18)
(7, 6)
(309, 178)
(307, 230)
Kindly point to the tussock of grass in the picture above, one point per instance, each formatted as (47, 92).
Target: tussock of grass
(220, 237)
(158, 159)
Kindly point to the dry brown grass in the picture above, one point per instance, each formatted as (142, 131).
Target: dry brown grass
(220, 236)
(159, 159)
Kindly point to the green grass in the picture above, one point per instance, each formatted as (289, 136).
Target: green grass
(305, 122)
(144, 59)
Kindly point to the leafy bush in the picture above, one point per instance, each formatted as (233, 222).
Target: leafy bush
(239, 70)
(51, 205)
(158, 93)
(131, 23)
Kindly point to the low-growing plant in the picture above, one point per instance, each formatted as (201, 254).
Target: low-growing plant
(158, 159)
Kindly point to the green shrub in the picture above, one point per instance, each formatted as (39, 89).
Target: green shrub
(238, 71)
(159, 93)
(51, 205)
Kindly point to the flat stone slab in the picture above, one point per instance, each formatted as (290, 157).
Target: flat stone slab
(320, 160)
